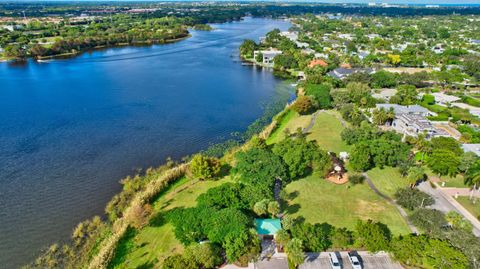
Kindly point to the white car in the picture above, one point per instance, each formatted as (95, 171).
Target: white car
(354, 261)
(334, 261)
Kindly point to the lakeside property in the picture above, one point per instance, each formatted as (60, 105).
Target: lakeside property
(358, 173)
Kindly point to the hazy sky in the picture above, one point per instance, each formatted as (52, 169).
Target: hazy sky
(458, 2)
(407, 1)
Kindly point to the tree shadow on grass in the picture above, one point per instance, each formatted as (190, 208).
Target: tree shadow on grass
(292, 209)
(126, 245)
(158, 220)
(293, 195)
(147, 265)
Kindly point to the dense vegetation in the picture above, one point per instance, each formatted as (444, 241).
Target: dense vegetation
(218, 225)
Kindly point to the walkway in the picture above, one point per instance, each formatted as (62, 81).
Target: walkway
(445, 203)
(391, 201)
(460, 192)
(312, 122)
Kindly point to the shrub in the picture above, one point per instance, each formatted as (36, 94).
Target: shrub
(355, 179)
(303, 105)
(203, 167)
(412, 198)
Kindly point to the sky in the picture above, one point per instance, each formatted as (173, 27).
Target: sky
(420, 2)
(438, 2)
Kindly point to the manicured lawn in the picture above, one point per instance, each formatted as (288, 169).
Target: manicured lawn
(470, 206)
(318, 200)
(387, 180)
(454, 182)
(157, 241)
(292, 121)
(326, 131)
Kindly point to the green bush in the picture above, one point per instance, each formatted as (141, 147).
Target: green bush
(321, 94)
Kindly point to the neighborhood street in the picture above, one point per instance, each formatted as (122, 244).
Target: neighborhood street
(445, 203)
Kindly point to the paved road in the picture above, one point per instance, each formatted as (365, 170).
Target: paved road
(391, 201)
(445, 203)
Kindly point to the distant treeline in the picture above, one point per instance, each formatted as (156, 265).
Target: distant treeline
(219, 12)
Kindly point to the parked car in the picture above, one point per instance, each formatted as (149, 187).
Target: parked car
(354, 261)
(334, 262)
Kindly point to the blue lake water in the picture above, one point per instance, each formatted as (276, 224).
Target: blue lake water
(70, 129)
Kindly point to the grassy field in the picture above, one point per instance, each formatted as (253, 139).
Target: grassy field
(291, 121)
(326, 131)
(387, 180)
(157, 241)
(470, 206)
(454, 182)
(318, 200)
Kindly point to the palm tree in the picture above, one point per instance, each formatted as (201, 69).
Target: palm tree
(423, 145)
(472, 177)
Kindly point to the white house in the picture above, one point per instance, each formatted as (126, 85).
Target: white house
(444, 99)
(413, 109)
(267, 55)
(438, 49)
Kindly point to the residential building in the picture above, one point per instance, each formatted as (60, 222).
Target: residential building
(414, 125)
(268, 55)
(438, 49)
(341, 72)
(444, 99)
(385, 94)
(472, 109)
(293, 36)
(413, 109)
(318, 62)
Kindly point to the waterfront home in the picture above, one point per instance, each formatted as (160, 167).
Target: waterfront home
(267, 55)
(342, 73)
(293, 36)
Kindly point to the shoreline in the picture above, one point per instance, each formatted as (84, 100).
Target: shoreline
(280, 93)
(69, 55)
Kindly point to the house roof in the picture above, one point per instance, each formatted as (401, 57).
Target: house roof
(317, 62)
(413, 109)
(441, 97)
(268, 226)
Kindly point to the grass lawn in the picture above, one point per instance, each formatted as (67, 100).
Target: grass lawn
(292, 121)
(387, 180)
(157, 241)
(470, 206)
(453, 182)
(318, 200)
(326, 131)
